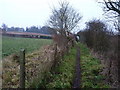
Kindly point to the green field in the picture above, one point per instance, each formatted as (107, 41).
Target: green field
(12, 45)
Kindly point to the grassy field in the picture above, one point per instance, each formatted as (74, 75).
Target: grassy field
(12, 45)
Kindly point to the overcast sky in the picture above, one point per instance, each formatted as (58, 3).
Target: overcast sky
(25, 13)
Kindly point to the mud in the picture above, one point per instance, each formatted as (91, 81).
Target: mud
(77, 76)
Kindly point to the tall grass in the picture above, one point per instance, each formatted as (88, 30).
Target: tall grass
(62, 75)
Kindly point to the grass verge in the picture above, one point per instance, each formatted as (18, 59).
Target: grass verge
(36, 64)
(62, 75)
(90, 69)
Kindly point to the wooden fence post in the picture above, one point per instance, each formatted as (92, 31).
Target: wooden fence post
(22, 68)
(55, 51)
(55, 55)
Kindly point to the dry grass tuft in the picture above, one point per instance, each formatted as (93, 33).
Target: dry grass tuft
(36, 63)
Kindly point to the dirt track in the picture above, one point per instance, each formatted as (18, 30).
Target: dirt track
(77, 76)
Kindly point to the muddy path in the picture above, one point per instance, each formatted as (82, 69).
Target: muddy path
(77, 75)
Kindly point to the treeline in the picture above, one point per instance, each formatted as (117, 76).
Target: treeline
(43, 30)
(33, 29)
(4, 27)
(105, 43)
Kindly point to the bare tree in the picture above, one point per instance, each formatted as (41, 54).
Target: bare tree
(4, 27)
(112, 11)
(113, 5)
(64, 19)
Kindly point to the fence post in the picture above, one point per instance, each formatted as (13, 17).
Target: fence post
(22, 68)
(55, 55)
(55, 51)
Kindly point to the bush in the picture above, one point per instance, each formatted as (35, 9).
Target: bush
(96, 36)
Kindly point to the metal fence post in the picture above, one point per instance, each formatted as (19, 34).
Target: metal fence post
(22, 68)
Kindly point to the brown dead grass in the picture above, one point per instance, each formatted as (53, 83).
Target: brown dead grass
(36, 64)
(110, 67)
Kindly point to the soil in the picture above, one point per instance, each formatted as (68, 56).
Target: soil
(77, 76)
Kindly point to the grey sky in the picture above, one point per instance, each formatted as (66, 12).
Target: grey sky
(23, 13)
